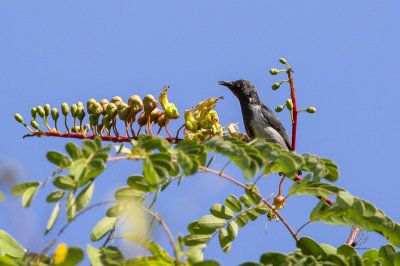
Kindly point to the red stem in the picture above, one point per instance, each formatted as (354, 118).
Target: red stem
(294, 122)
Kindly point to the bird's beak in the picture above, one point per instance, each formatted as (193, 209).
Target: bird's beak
(226, 84)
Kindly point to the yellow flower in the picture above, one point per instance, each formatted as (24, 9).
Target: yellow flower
(60, 254)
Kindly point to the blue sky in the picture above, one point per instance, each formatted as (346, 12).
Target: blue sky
(345, 56)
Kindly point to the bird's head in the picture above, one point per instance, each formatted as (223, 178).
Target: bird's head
(244, 90)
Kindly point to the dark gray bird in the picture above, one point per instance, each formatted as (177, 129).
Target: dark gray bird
(259, 120)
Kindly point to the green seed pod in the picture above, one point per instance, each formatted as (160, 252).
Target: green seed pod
(46, 109)
(79, 104)
(81, 113)
(40, 111)
(65, 109)
(155, 114)
(34, 113)
(276, 86)
(35, 125)
(54, 114)
(282, 61)
(111, 110)
(107, 122)
(116, 100)
(311, 110)
(89, 105)
(123, 111)
(279, 108)
(149, 103)
(74, 109)
(86, 127)
(93, 119)
(273, 71)
(19, 119)
(135, 103)
(289, 104)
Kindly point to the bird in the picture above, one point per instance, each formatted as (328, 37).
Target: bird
(259, 121)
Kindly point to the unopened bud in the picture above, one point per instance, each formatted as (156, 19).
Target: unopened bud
(104, 104)
(79, 104)
(111, 110)
(86, 127)
(283, 61)
(40, 111)
(19, 119)
(54, 114)
(81, 113)
(93, 119)
(279, 202)
(276, 86)
(35, 125)
(116, 100)
(123, 111)
(279, 108)
(162, 120)
(74, 109)
(289, 104)
(89, 104)
(311, 110)
(142, 119)
(65, 109)
(155, 114)
(274, 71)
(149, 103)
(46, 108)
(34, 113)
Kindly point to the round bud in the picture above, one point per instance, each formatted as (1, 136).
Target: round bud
(276, 86)
(89, 105)
(40, 111)
(93, 119)
(80, 113)
(86, 127)
(107, 122)
(162, 120)
(142, 119)
(35, 124)
(279, 202)
(19, 119)
(74, 109)
(273, 71)
(283, 61)
(155, 114)
(79, 104)
(46, 109)
(135, 103)
(54, 114)
(149, 103)
(123, 111)
(289, 104)
(311, 110)
(116, 100)
(65, 109)
(111, 110)
(34, 112)
(279, 108)
(104, 104)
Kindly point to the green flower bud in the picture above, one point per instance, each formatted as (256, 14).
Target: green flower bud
(116, 100)
(274, 71)
(89, 105)
(86, 127)
(283, 61)
(279, 108)
(46, 109)
(276, 86)
(40, 111)
(81, 113)
(79, 104)
(19, 119)
(289, 104)
(104, 104)
(35, 125)
(123, 111)
(34, 113)
(135, 103)
(107, 122)
(311, 110)
(74, 109)
(111, 110)
(190, 121)
(93, 119)
(149, 103)
(54, 114)
(65, 109)
(196, 114)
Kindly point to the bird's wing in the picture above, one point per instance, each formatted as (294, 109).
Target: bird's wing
(276, 124)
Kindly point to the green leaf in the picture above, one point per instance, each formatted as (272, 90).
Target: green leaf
(321, 207)
(138, 182)
(346, 251)
(287, 165)
(370, 256)
(233, 203)
(331, 167)
(111, 256)
(310, 247)
(74, 256)
(189, 165)
(273, 258)
(150, 172)
(233, 229)
(245, 200)
(328, 249)
(102, 228)
(71, 207)
(196, 239)
(84, 197)
(262, 208)
(252, 197)
(207, 263)
(335, 260)
(344, 199)
(64, 182)
(55, 196)
(241, 220)
(58, 159)
(210, 223)
(73, 150)
(194, 255)
(10, 246)
(117, 210)
(28, 196)
(89, 147)
(224, 240)
(53, 217)
(128, 194)
(94, 255)
(221, 211)
(387, 253)
(19, 189)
